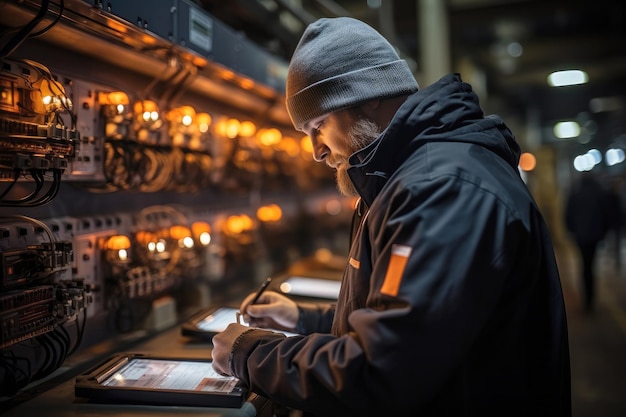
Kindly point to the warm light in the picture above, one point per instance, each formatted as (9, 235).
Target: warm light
(568, 77)
(160, 246)
(269, 213)
(527, 161)
(122, 254)
(51, 88)
(232, 128)
(144, 237)
(239, 224)
(227, 75)
(204, 121)
(186, 242)
(118, 242)
(247, 129)
(323, 255)
(566, 130)
(204, 238)
(333, 207)
(200, 227)
(183, 115)
(290, 146)
(113, 98)
(229, 128)
(148, 110)
(202, 232)
(179, 232)
(306, 144)
(246, 84)
(186, 120)
(269, 137)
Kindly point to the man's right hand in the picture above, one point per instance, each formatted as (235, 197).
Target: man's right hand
(272, 310)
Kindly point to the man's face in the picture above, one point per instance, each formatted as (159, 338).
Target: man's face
(338, 135)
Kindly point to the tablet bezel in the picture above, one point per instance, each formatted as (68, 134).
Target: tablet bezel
(89, 385)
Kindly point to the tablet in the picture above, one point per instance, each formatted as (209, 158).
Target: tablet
(208, 322)
(133, 378)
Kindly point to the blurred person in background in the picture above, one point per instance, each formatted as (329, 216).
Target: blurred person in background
(451, 301)
(590, 212)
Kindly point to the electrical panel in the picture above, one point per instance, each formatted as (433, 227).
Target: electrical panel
(146, 159)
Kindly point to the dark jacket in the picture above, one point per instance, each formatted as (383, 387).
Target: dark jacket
(451, 302)
(590, 211)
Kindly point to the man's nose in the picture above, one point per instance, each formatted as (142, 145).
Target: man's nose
(320, 151)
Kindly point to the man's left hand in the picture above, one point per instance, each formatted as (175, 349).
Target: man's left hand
(223, 345)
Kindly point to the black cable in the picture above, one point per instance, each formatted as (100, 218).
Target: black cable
(80, 331)
(54, 22)
(16, 40)
(17, 172)
(42, 370)
(60, 348)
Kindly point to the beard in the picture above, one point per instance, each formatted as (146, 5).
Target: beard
(362, 133)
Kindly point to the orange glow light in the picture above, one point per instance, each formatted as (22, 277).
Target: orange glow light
(527, 161)
(239, 224)
(113, 98)
(306, 144)
(204, 121)
(118, 242)
(247, 129)
(200, 227)
(144, 237)
(179, 232)
(246, 84)
(269, 137)
(269, 213)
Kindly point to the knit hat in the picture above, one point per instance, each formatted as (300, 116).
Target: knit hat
(339, 63)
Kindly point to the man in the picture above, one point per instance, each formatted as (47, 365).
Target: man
(451, 301)
(590, 213)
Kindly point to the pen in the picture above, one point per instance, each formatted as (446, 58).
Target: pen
(262, 288)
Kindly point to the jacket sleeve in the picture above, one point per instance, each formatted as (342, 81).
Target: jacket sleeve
(315, 318)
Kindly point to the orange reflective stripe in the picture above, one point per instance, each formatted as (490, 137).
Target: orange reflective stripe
(354, 263)
(395, 270)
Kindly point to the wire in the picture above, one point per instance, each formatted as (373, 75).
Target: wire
(17, 173)
(16, 40)
(31, 220)
(54, 22)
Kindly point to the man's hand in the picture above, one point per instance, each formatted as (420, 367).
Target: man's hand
(271, 311)
(223, 345)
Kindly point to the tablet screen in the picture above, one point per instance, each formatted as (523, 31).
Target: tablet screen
(170, 375)
(218, 320)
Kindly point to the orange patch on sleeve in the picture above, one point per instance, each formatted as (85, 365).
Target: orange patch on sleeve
(395, 269)
(354, 263)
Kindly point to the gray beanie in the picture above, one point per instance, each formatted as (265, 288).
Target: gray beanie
(340, 63)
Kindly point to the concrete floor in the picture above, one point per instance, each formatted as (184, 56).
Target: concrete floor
(597, 340)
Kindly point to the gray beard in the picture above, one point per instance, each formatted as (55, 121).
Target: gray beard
(362, 133)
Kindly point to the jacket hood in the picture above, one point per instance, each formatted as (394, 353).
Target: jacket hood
(445, 111)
